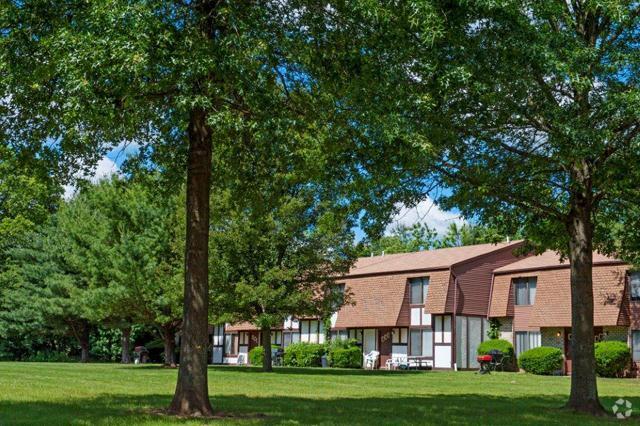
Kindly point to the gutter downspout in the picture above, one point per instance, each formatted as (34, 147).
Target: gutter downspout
(453, 322)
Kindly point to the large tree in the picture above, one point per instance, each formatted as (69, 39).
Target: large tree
(82, 76)
(174, 76)
(281, 223)
(526, 111)
(125, 238)
(42, 293)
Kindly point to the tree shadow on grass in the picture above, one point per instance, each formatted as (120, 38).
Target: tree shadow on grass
(465, 409)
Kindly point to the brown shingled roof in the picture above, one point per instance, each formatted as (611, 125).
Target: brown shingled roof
(376, 302)
(550, 259)
(423, 260)
(241, 326)
(552, 307)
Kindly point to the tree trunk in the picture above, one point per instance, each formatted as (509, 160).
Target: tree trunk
(169, 339)
(84, 343)
(584, 389)
(126, 345)
(266, 345)
(191, 397)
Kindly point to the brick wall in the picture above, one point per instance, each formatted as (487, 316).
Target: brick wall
(616, 333)
(506, 329)
(549, 337)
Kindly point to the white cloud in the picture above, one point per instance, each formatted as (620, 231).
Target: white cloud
(104, 169)
(426, 212)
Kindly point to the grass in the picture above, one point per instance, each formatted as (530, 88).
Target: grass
(42, 393)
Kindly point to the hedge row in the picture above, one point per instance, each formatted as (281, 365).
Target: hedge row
(339, 353)
(612, 358)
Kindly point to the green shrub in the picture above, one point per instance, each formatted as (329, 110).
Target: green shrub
(256, 355)
(349, 357)
(543, 360)
(49, 356)
(340, 344)
(503, 346)
(494, 328)
(304, 354)
(612, 357)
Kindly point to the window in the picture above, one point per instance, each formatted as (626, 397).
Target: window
(356, 333)
(634, 283)
(525, 290)
(311, 331)
(218, 335)
(443, 329)
(419, 290)
(289, 337)
(230, 341)
(339, 335)
(276, 338)
(635, 344)
(399, 336)
(243, 337)
(526, 340)
(421, 342)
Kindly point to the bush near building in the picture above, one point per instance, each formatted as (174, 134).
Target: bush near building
(256, 355)
(304, 354)
(543, 360)
(501, 345)
(350, 357)
(612, 358)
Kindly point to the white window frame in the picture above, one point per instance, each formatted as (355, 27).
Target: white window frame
(423, 282)
(529, 336)
(530, 296)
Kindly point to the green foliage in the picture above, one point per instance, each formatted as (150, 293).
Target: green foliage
(47, 356)
(106, 345)
(494, 328)
(256, 355)
(350, 357)
(340, 344)
(406, 239)
(612, 358)
(280, 233)
(542, 360)
(304, 354)
(469, 234)
(29, 192)
(402, 239)
(503, 346)
(344, 353)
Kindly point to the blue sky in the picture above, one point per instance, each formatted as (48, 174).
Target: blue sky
(425, 212)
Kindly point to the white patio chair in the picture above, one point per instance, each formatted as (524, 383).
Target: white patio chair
(241, 359)
(371, 359)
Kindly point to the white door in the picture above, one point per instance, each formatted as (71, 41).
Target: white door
(442, 356)
(369, 339)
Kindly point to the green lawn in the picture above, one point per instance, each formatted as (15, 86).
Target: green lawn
(34, 393)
